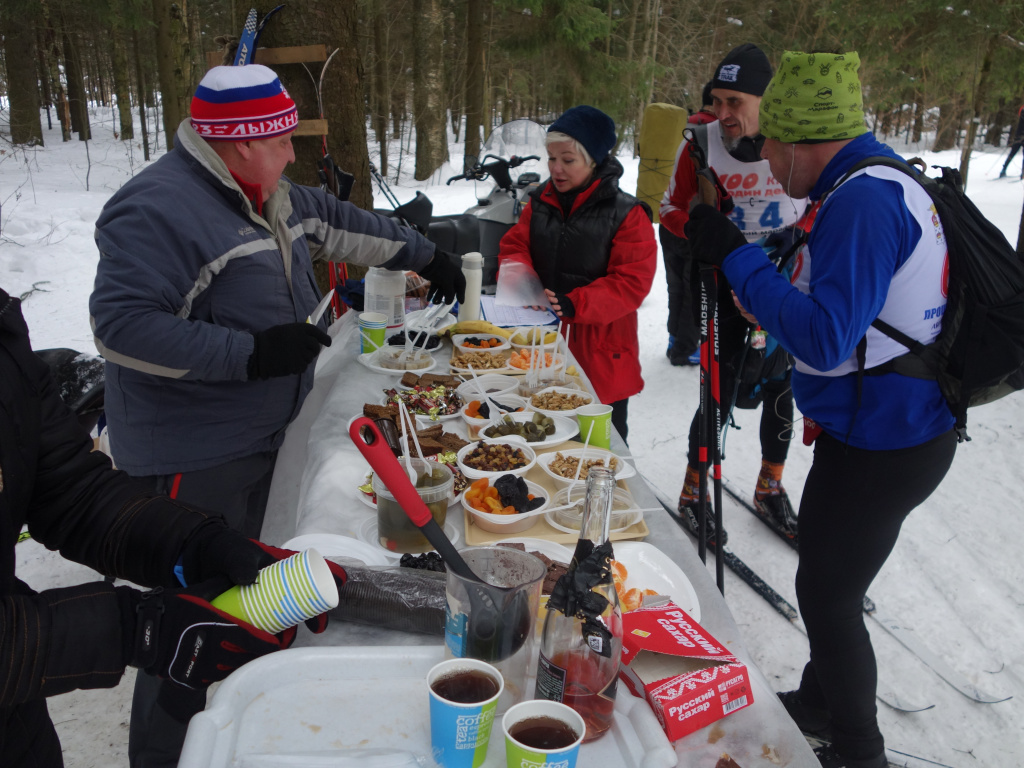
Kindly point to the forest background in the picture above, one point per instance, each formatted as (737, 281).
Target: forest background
(948, 68)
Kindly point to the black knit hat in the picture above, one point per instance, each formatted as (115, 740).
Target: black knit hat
(706, 100)
(590, 127)
(745, 69)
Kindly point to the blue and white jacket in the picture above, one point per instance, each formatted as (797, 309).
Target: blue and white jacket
(188, 272)
(878, 251)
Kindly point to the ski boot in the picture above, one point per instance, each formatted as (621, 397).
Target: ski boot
(688, 514)
(829, 758)
(778, 512)
(812, 722)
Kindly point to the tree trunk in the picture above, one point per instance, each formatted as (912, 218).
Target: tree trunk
(172, 56)
(140, 85)
(22, 83)
(381, 91)
(122, 78)
(44, 77)
(77, 103)
(305, 22)
(945, 132)
(980, 95)
(994, 134)
(476, 66)
(918, 122)
(428, 88)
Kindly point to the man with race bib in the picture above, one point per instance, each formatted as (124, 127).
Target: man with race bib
(765, 214)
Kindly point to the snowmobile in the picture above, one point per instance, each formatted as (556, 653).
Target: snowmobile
(481, 227)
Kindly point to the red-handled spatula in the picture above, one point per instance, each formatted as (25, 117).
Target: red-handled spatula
(499, 620)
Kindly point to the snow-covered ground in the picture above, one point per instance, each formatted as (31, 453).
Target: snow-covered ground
(954, 578)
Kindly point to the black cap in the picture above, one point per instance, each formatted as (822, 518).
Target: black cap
(745, 69)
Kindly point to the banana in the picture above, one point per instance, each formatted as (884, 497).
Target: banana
(479, 326)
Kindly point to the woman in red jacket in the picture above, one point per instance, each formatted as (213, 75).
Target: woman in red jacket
(593, 247)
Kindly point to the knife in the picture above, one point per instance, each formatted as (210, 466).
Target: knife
(325, 302)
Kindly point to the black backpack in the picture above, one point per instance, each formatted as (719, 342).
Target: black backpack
(978, 356)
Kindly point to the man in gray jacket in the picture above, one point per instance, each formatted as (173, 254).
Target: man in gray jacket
(204, 284)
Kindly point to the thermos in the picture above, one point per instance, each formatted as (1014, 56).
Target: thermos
(472, 268)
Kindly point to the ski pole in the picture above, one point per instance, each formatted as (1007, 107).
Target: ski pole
(706, 275)
(716, 424)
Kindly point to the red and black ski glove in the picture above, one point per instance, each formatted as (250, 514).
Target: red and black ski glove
(177, 635)
(712, 235)
(317, 624)
(216, 551)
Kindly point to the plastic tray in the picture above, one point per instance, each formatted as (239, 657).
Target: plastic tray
(367, 707)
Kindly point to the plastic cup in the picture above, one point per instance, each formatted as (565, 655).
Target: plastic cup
(520, 755)
(460, 733)
(395, 531)
(373, 329)
(601, 417)
(285, 593)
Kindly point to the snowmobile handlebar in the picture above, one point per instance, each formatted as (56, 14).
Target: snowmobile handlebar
(498, 169)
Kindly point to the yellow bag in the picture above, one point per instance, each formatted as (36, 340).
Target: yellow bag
(660, 136)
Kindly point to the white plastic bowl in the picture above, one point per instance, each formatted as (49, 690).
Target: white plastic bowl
(508, 524)
(474, 425)
(527, 332)
(624, 511)
(564, 391)
(565, 429)
(459, 338)
(556, 366)
(494, 384)
(544, 460)
(476, 474)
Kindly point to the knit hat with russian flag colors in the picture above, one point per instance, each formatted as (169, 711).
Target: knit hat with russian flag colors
(242, 103)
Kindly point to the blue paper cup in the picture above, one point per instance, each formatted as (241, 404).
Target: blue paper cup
(460, 733)
(520, 755)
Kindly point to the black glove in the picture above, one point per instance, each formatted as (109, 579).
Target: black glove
(178, 635)
(565, 305)
(285, 350)
(779, 244)
(712, 235)
(447, 283)
(214, 550)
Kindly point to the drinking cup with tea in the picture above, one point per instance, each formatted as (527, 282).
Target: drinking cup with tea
(463, 700)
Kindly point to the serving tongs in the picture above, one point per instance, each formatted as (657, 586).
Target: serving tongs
(499, 620)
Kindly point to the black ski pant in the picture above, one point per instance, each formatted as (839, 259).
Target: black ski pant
(620, 413)
(776, 406)
(680, 275)
(238, 490)
(851, 510)
(1013, 151)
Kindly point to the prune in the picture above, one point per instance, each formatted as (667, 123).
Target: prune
(513, 492)
(428, 561)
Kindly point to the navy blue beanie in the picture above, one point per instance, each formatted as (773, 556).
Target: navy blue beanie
(590, 127)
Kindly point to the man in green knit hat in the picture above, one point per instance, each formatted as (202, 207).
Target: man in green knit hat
(882, 441)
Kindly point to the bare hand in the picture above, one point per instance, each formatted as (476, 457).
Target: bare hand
(746, 315)
(553, 302)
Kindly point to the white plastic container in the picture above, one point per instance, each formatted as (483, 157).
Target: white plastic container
(385, 293)
(472, 269)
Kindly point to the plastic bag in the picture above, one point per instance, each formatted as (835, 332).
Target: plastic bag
(392, 597)
(519, 286)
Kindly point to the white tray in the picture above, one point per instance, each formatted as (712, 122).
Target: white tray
(367, 707)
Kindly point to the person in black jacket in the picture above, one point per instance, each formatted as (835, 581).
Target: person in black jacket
(73, 501)
(1017, 137)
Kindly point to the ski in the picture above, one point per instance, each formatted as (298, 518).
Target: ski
(882, 691)
(903, 636)
(246, 53)
(247, 41)
(737, 566)
(909, 640)
(897, 758)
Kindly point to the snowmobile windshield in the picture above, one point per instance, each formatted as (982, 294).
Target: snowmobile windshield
(520, 138)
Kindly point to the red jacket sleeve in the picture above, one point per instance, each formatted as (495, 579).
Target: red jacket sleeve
(631, 268)
(515, 244)
(675, 205)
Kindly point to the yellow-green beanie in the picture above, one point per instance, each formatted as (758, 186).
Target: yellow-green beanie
(814, 97)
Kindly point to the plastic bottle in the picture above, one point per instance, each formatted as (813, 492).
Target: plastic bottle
(472, 268)
(385, 293)
(579, 665)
